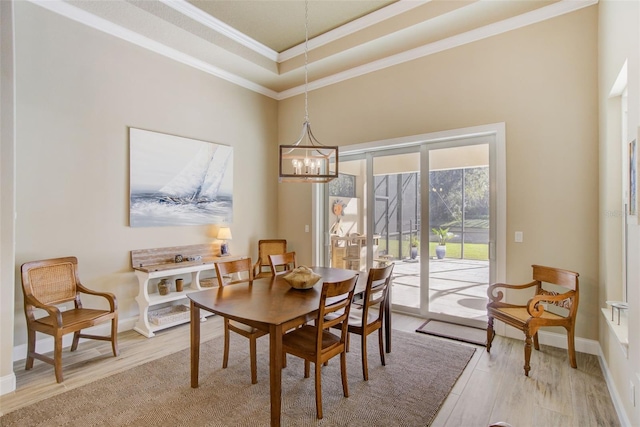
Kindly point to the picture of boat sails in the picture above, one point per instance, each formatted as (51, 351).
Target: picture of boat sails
(178, 181)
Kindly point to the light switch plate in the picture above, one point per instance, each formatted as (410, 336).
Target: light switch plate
(518, 237)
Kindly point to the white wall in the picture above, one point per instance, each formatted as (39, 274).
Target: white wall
(619, 41)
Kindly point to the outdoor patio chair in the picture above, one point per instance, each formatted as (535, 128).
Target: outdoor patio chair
(561, 308)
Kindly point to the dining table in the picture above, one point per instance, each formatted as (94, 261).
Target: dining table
(272, 305)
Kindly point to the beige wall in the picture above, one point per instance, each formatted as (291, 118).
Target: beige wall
(619, 40)
(7, 195)
(78, 91)
(541, 81)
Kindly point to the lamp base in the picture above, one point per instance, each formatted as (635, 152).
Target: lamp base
(224, 249)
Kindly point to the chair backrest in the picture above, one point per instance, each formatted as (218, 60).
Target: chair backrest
(336, 297)
(377, 290)
(282, 263)
(564, 278)
(241, 267)
(51, 281)
(270, 247)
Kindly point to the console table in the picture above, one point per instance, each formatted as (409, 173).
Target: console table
(158, 263)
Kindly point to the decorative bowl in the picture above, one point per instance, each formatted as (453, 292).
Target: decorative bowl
(301, 278)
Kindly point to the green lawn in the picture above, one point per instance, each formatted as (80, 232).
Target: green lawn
(471, 250)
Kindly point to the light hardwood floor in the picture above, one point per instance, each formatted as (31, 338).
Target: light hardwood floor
(492, 388)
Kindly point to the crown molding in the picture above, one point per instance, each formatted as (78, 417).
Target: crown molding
(562, 7)
(556, 9)
(218, 26)
(69, 11)
(352, 27)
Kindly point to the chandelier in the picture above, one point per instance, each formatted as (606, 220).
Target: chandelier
(307, 160)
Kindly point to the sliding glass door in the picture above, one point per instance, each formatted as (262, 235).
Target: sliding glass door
(430, 209)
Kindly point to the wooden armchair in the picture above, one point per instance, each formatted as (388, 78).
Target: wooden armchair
(315, 343)
(50, 282)
(242, 266)
(534, 315)
(262, 267)
(283, 263)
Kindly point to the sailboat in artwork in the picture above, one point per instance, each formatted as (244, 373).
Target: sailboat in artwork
(199, 181)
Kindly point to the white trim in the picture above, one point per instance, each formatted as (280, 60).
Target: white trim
(67, 10)
(352, 27)
(621, 82)
(187, 9)
(552, 339)
(613, 392)
(7, 384)
(556, 9)
(404, 141)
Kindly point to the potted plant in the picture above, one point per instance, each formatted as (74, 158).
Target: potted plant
(443, 236)
(414, 247)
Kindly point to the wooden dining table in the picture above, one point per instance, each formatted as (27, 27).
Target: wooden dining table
(269, 304)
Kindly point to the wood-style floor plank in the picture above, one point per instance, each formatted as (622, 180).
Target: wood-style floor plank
(492, 387)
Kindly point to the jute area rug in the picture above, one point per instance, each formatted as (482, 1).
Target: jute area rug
(408, 391)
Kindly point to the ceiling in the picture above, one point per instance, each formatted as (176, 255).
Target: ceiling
(260, 44)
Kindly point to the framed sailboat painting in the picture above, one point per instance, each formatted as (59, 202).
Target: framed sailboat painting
(178, 181)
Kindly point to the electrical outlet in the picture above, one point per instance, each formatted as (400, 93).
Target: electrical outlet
(306, 228)
(518, 237)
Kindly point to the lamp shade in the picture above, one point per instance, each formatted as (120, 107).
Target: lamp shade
(224, 233)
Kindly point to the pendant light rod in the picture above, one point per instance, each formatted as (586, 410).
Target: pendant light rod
(314, 162)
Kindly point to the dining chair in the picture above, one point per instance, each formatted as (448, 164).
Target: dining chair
(262, 267)
(315, 343)
(223, 271)
(554, 305)
(364, 322)
(282, 263)
(48, 283)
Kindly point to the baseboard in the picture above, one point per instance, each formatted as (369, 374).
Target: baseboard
(552, 339)
(45, 344)
(615, 397)
(7, 383)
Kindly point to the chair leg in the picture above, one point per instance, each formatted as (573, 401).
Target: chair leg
(76, 340)
(31, 348)
(225, 356)
(571, 347)
(489, 333)
(527, 353)
(536, 344)
(114, 337)
(318, 367)
(57, 357)
(254, 364)
(307, 368)
(365, 365)
(343, 372)
(381, 346)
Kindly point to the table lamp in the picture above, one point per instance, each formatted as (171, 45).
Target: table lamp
(224, 234)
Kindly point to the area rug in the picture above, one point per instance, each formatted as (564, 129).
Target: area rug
(408, 391)
(455, 332)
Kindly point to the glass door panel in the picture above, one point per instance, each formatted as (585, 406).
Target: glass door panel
(459, 224)
(397, 224)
